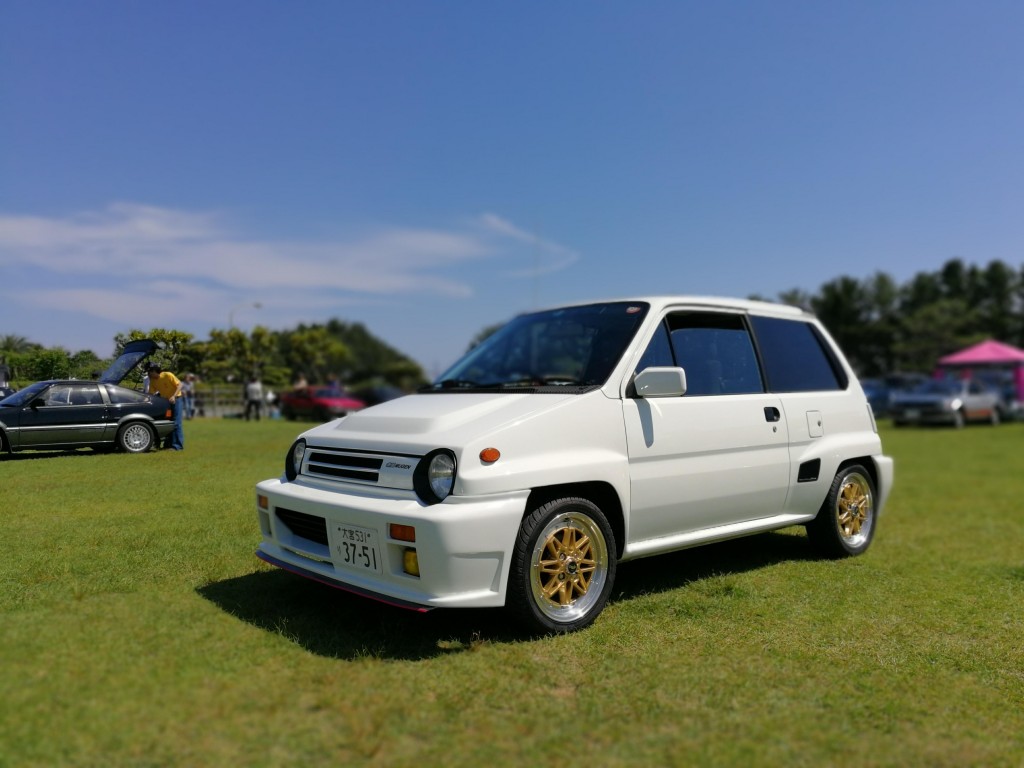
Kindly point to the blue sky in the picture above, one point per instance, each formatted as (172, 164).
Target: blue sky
(430, 168)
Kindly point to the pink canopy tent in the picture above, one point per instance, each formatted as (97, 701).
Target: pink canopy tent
(990, 354)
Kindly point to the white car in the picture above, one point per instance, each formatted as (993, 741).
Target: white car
(576, 438)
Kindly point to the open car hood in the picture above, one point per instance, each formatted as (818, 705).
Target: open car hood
(134, 353)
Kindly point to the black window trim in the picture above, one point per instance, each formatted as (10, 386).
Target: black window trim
(744, 317)
(842, 379)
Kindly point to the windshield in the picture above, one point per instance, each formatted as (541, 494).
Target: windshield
(573, 346)
(26, 395)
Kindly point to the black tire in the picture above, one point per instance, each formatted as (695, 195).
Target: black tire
(135, 437)
(845, 525)
(563, 566)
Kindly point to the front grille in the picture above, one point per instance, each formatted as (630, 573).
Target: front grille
(304, 526)
(344, 465)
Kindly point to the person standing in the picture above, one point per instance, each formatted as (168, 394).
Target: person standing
(168, 386)
(188, 392)
(253, 398)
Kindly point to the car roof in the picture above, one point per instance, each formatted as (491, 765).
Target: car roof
(662, 302)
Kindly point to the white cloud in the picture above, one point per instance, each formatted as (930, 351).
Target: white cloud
(137, 242)
(548, 255)
(138, 266)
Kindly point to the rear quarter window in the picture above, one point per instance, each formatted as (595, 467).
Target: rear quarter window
(122, 396)
(796, 357)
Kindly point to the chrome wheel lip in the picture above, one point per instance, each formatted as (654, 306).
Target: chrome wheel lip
(598, 553)
(855, 510)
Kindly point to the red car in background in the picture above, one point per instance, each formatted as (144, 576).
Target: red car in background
(318, 403)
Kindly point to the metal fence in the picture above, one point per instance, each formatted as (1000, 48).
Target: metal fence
(219, 400)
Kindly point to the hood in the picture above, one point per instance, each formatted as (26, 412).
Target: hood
(134, 353)
(448, 420)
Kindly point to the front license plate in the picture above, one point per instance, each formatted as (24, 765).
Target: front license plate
(354, 547)
(913, 414)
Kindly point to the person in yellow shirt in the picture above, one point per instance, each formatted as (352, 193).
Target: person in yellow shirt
(167, 385)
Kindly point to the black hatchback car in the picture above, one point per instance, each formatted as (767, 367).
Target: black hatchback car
(66, 414)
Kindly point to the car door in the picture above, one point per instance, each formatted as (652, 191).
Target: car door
(44, 421)
(717, 455)
(87, 423)
(66, 413)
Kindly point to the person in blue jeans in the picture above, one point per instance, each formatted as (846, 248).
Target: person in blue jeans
(167, 385)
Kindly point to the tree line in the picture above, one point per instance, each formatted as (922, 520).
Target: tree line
(318, 352)
(885, 327)
(882, 326)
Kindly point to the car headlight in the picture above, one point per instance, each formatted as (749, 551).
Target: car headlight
(434, 477)
(293, 461)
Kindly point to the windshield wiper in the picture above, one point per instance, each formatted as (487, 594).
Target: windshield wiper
(540, 381)
(450, 384)
(528, 382)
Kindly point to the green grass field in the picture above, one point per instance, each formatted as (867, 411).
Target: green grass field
(138, 628)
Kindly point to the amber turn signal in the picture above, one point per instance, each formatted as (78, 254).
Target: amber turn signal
(490, 455)
(402, 532)
(262, 501)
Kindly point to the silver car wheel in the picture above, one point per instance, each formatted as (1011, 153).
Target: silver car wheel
(135, 438)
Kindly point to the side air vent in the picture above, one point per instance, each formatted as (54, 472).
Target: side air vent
(809, 471)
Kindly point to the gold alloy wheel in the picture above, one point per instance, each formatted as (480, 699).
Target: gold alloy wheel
(855, 509)
(569, 567)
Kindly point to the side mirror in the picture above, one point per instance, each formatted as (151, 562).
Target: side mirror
(36, 403)
(660, 382)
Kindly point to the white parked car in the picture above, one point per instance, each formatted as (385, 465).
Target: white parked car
(577, 438)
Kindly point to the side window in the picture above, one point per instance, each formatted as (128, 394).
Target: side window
(88, 394)
(122, 396)
(658, 352)
(716, 352)
(795, 357)
(59, 394)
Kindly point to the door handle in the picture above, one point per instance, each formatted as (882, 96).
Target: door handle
(771, 413)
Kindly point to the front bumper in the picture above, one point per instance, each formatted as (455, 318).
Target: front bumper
(463, 545)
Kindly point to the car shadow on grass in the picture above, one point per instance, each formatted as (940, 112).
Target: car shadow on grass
(34, 455)
(334, 623)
